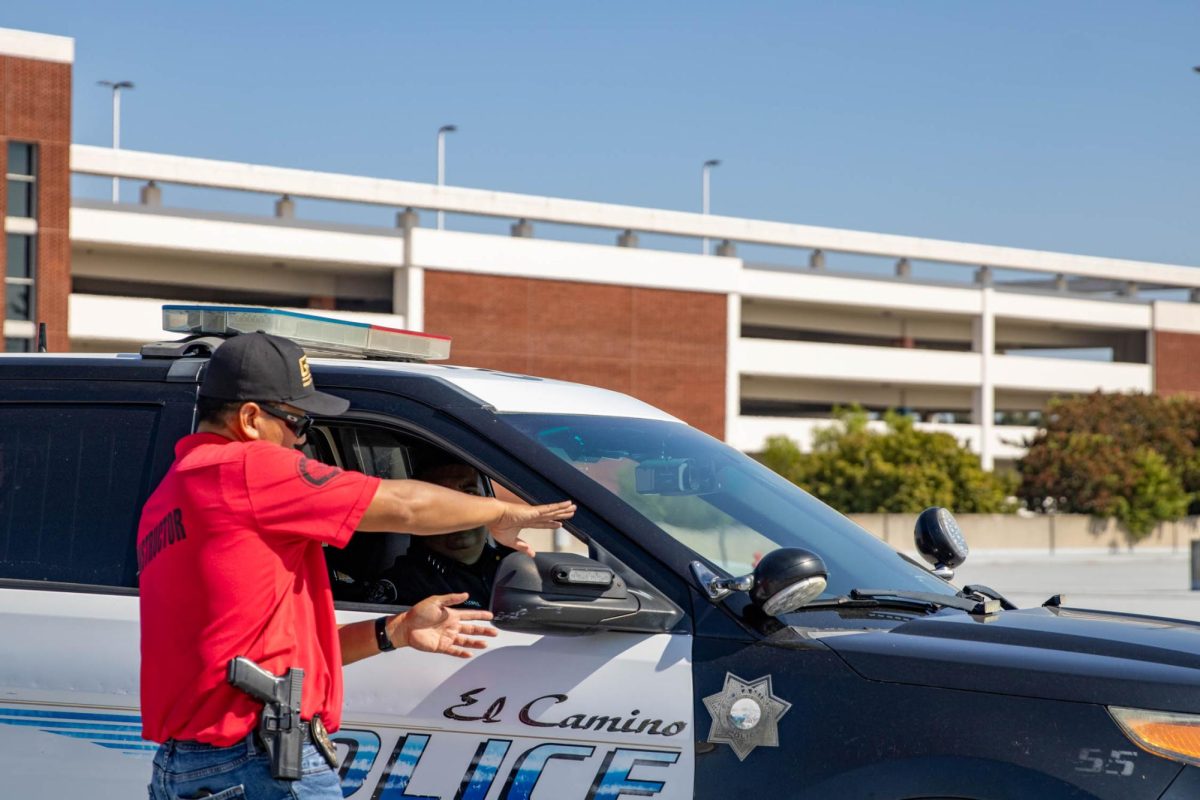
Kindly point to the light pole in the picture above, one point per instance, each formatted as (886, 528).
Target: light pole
(116, 87)
(441, 165)
(707, 168)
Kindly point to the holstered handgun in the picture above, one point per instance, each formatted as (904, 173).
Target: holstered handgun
(279, 726)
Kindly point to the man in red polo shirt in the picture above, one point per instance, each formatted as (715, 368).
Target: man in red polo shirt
(230, 564)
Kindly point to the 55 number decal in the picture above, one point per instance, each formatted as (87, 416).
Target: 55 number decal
(1095, 760)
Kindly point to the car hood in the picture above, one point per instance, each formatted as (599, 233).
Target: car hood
(1052, 653)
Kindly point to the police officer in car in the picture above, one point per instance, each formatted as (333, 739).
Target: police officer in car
(461, 561)
(230, 564)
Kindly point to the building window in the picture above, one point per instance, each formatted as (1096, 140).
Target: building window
(19, 276)
(14, 345)
(22, 179)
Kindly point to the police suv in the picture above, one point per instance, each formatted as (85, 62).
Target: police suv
(702, 629)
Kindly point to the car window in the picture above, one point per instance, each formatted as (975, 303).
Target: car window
(719, 502)
(72, 478)
(357, 571)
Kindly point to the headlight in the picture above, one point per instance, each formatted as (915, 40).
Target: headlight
(1170, 735)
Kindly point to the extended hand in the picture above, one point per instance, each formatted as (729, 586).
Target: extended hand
(519, 515)
(432, 626)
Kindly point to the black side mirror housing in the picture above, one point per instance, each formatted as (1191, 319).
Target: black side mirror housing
(940, 541)
(570, 593)
(787, 579)
(784, 580)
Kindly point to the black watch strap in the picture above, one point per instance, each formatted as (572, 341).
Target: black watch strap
(381, 635)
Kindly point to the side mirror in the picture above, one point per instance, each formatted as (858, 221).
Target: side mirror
(940, 541)
(787, 579)
(783, 581)
(567, 592)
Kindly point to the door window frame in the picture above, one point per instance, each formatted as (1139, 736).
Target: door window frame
(436, 428)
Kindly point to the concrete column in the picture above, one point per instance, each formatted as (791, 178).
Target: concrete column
(408, 282)
(522, 229)
(627, 239)
(983, 406)
(733, 376)
(726, 249)
(983, 276)
(151, 195)
(1130, 289)
(1152, 344)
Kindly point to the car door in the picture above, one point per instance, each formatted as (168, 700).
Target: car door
(77, 459)
(539, 714)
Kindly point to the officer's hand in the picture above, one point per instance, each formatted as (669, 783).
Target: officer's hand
(432, 626)
(519, 515)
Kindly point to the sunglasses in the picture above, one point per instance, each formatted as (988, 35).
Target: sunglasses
(299, 424)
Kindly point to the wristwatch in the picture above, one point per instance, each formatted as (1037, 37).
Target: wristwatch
(381, 635)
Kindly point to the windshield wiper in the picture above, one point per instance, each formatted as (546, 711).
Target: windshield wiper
(926, 601)
(974, 604)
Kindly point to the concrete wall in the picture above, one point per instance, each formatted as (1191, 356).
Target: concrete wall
(1040, 532)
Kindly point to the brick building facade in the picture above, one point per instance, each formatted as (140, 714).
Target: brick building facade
(745, 352)
(662, 346)
(35, 142)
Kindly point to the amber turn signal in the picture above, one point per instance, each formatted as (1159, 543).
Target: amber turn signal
(1167, 734)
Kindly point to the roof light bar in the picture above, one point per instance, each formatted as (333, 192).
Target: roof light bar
(315, 334)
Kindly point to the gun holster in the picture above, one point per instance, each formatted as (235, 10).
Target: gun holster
(280, 729)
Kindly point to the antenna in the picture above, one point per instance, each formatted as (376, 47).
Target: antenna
(41, 344)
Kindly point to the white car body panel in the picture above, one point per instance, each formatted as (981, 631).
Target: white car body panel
(523, 394)
(69, 696)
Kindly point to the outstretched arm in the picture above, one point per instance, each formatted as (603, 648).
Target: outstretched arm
(426, 508)
(431, 626)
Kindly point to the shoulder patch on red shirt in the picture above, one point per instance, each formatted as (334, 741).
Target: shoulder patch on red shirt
(316, 473)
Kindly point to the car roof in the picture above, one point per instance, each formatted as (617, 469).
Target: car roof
(513, 393)
(502, 391)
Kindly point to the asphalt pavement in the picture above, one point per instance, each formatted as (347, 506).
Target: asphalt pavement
(1141, 582)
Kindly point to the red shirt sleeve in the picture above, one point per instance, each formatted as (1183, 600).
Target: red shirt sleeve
(291, 494)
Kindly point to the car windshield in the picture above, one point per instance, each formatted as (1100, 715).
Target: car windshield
(719, 502)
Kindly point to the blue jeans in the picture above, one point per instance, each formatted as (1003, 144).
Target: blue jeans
(185, 770)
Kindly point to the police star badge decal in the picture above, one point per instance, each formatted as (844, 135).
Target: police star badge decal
(745, 715)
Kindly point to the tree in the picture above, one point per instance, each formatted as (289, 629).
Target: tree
(856, 469)
(1129, 457)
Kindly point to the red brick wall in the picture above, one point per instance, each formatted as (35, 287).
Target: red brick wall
(35, 106)
(1176, 363)
(663, 346)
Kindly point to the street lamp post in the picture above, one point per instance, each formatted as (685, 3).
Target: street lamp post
(116, 87)
(707, 168)
(441, 165)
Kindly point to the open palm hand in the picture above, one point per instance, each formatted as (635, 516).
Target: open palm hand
(434, 626)
(518, 516)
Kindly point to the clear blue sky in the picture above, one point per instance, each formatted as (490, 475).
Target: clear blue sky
(1063, 125)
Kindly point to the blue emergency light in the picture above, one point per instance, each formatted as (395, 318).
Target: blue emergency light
(318, 335)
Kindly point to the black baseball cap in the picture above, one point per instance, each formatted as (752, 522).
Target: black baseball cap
(262, 367)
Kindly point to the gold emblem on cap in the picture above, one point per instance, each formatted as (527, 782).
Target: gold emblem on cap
(305, 372)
